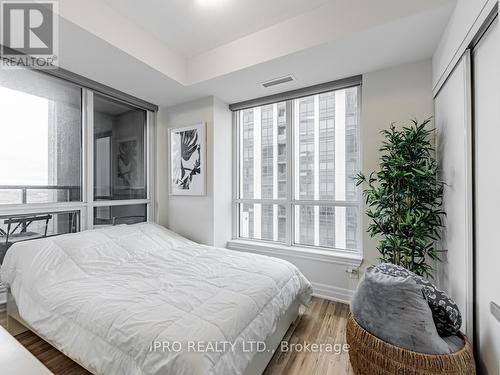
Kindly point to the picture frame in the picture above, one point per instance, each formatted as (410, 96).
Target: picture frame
(187, 153)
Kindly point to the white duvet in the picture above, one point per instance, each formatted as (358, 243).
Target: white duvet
(104, 296)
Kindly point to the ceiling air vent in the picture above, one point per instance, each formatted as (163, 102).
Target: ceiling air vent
(278, 81)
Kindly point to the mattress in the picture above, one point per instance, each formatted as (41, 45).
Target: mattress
(140, 299)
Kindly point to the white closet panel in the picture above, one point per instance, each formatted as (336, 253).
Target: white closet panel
(453, 127)
(486, 78)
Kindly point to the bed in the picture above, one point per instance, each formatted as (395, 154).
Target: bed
(118, 299)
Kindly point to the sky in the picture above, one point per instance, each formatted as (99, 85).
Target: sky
(23, 138)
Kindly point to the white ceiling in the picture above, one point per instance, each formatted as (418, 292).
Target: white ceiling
(191, 27)
(399, 42)
(330, 42)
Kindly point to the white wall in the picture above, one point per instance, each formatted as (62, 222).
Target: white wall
(391, 95)
(223, 165)
(464, 23)
(189, 216)
(205, 219)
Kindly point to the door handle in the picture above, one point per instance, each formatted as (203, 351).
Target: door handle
(495, 310)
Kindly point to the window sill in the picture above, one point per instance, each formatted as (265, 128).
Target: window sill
(272, 249)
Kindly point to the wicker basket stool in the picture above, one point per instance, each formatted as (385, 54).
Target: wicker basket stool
(371, 356)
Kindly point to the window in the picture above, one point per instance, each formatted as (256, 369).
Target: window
(296, 163)
(120, 160)
(126, 214)
(40, 139)
(71, 158)
(119, 151)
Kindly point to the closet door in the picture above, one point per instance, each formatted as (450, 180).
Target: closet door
(453, 129)
(486, 83)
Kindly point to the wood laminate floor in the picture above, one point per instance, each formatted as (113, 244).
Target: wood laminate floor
(323, 322)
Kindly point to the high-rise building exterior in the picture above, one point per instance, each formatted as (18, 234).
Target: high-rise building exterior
(325, 133)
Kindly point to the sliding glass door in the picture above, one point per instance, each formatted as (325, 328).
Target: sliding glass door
(120, 162)
(65, 148)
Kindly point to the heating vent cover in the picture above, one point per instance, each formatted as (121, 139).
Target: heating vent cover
(278, 81)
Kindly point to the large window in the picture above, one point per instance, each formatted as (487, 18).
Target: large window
(70, 158)
(296, 162)
(40, 139)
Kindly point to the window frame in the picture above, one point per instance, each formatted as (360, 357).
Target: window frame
(291, 202)
(90, 201)
(85, 206)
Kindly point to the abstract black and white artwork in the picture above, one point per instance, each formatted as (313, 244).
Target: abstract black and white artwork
(187, 160)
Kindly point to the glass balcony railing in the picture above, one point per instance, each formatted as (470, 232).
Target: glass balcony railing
(23, 194)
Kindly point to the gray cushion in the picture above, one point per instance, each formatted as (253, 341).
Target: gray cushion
(394, 309)
(445, 312)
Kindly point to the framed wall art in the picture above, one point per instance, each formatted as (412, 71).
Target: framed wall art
(187, 147)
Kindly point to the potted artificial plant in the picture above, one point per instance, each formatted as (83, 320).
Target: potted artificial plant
(404, 198)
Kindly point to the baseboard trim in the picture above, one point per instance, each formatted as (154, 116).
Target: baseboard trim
(332, 293)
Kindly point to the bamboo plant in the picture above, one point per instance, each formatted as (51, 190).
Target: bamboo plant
(404, 198)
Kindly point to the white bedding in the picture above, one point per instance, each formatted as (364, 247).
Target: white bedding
(104, 296)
